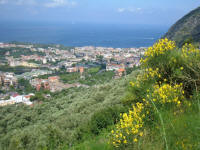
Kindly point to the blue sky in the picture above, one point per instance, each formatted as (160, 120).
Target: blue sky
(158, 12)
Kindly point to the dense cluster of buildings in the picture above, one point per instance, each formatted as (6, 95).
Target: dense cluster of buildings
(33, 74)
(45, 61)
(54, 57)
(8, 79)
(52, 84)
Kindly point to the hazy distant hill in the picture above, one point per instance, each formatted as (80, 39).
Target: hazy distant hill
(187, 29)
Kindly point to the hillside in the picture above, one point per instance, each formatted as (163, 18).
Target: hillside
(163, 102)
(187, 29)
(56, 122)
(156, 107)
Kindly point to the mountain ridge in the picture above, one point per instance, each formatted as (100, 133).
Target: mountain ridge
(186, 29)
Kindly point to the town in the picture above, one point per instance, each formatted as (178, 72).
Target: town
(55, 67)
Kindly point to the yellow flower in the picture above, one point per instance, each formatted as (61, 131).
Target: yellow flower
(181, 68)
(159, 48)
(135, 140)
(141, 133)
(130, 124)
(125, 141)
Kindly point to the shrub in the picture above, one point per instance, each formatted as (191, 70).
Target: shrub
(130, 127)
(163, 89)
(104, 118)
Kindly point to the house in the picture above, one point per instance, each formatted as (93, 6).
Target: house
(72, 69)
(54, 79)
(120, 72)
(16, 99)
(38, 86)
(81, 69)
(44, 61)
(113, 67)
(8, 79)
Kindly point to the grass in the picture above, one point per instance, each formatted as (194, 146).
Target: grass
(96, 143)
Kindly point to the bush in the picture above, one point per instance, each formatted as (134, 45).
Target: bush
(104, 118)
(162, 96)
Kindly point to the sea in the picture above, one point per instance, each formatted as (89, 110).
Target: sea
(82, 34)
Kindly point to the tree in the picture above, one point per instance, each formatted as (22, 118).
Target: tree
(38, 97)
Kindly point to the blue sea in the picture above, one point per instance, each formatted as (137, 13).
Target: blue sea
(114, 35)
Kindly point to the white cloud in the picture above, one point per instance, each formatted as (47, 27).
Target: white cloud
(131, 10)
(18, 2)
(121, 10)
(59, 3)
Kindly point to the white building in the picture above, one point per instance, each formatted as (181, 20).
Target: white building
(16, 99)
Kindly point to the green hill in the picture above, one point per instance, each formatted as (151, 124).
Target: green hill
(187, 29)
(59, 121)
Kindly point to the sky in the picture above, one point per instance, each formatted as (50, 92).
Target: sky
(151, 12)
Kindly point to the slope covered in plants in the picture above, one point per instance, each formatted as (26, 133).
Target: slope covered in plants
(187, 29)
(155, 108)
(164, 101)
(59, 121)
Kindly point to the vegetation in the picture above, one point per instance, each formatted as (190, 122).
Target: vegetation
(39, 96)
(90, 77)
(156, 107)
(24, 87)
(61, 121)
(160, 113)
(186, 30)
(17, 70)
(17, 52)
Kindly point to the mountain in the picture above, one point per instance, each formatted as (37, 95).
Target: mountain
(187, 29)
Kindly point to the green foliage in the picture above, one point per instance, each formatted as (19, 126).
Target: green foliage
(130, 70)
(80, 118)
(38, 97)
(16, 70)
(185, 30)
(70, 77)
(17, 52)
(91, 77)
(167, 89)
(55, 123)
(93, 70)
(24, 86)
(94, 143)
(104, 118)
(99, 58)
(97, 78)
